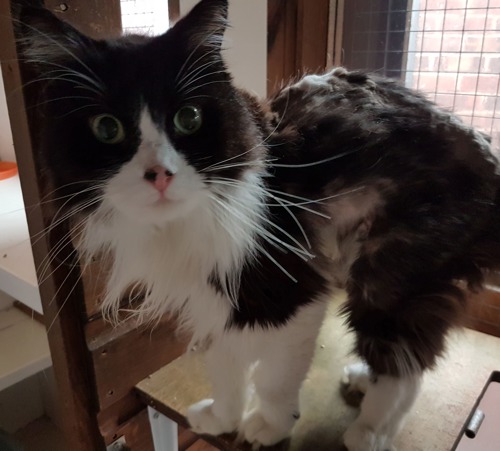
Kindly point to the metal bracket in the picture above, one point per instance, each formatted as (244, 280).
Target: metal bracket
(118, 445)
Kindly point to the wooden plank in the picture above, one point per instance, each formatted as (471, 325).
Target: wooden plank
(484, 311)
(114, 351)
(61, 294)
(137, 433)
(434, 423)
(312, 35)
(185, 438)
(174, 11)
(114, 417)
(281, 42)
(94, 278)
(202, 445)
(95, 18)
(338, 52)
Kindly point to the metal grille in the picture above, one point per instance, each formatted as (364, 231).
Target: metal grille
(449, 49)
(144, 16)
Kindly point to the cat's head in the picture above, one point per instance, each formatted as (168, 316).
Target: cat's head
(150, 126)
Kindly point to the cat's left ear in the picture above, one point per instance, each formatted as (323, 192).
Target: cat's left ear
(204, 26)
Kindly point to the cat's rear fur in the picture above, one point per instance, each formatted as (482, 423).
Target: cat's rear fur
(244, 216)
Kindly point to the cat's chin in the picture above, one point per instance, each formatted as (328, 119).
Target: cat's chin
(158, 213)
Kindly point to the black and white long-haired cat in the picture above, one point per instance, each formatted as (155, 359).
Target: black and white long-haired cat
(244, 216)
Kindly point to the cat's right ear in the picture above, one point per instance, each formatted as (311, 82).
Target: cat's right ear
(45, 40)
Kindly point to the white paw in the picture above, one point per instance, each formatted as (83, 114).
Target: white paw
(357, 377)
(359, 437)
(257, 430)
(203, 420)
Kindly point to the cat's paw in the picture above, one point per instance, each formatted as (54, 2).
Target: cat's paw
(359, 437)
(202, 419)
(256, 430)
(355, 382)
(357, 377)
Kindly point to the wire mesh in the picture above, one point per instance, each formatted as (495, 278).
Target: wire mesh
(448, 49)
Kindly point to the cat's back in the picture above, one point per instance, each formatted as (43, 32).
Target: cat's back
(376, 127)
(436, 180)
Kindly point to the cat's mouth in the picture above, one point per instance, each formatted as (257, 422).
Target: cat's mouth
(163, 201)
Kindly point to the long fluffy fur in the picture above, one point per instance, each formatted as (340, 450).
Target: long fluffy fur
(340, 180)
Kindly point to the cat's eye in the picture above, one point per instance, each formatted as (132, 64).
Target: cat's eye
(107, 129)
(187, 120)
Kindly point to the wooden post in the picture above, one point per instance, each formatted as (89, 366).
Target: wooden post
(61, 293)
(299, 35)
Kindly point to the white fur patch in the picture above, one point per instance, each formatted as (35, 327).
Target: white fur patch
(256, 376)
(383, 410)
(169, 248)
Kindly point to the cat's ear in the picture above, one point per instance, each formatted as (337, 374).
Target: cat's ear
(204, 25)
(45, 40)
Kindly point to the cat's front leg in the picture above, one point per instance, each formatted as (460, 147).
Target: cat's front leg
(285, 357)
(228, 375)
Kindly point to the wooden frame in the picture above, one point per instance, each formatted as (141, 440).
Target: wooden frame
(91, 358)
(300, 36)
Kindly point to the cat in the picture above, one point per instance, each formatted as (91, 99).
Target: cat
(244, 216)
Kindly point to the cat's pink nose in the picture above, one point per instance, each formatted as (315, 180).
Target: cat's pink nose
(159, 176)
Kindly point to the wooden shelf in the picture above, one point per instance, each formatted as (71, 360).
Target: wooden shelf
(447, 396)
(24, 348)
(17, 268)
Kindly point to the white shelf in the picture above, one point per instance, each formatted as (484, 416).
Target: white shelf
(17, 268)
(24, 348)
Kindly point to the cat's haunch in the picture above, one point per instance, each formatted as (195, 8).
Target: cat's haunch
(243, 216)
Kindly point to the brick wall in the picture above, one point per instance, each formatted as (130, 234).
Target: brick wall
(456, 50)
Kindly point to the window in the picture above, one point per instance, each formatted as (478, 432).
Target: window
(448, 49)
(144, 16)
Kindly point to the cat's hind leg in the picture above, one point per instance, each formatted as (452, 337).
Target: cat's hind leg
(398, 345)
(386, 402)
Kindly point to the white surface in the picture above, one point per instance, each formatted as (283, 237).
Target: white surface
(17, 268)
(163, 430)
(246, 42)
(6, 144)
(24, 348)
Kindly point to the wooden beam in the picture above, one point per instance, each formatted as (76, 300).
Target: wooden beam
(113, 350)
(299, 35)
(62, 294)
(174, 11)
(95, 18)
(312, 35)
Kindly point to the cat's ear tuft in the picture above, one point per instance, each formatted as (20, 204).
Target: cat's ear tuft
(44, 39)
(205, 24)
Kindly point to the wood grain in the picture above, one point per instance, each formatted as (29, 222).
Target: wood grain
(484, 311)
(125, 354)
(95, 18)
(434, 423)
(61, 294)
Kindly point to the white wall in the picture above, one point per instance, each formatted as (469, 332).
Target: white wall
(246, 41)
(6, 146)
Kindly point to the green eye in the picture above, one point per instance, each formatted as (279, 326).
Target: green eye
(187, 120)
(107, 129)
